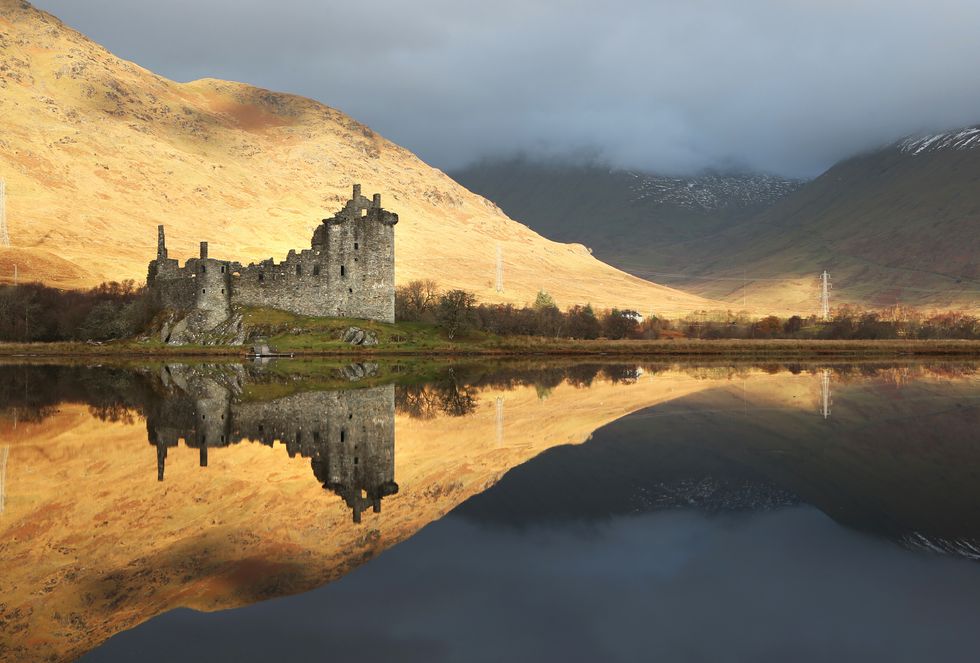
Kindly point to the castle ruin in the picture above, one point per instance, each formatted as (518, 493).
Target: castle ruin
(348, 272)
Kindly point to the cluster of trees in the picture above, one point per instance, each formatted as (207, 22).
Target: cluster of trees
(35, 312)
(847, 323)
(457, 310)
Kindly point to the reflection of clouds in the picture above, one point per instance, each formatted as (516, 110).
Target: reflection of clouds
(784, 586)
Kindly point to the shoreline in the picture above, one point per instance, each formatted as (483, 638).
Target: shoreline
(524, 346)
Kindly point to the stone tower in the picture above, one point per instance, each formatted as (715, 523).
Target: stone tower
(358, 244)
(212, 293)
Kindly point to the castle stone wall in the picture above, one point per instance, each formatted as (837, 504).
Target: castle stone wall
(349, 271)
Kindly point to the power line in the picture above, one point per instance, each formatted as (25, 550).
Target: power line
(739, 279)
(642, 267)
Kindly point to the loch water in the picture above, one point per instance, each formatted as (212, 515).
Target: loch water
(471, 511)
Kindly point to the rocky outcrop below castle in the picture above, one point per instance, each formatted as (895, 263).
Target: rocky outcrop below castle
(180, 328)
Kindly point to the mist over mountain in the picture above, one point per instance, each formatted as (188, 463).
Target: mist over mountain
(630, 218)
(894, 226)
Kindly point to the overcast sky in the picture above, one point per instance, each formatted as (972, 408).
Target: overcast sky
(784, 86)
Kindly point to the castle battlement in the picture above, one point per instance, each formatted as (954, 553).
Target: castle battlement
(348, 271)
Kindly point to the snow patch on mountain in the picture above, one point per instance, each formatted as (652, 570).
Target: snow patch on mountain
(961, 139)
(713, 192)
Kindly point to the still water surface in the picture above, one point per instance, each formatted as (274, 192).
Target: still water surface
(305, 510)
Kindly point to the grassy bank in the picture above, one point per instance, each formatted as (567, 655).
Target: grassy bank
(304, 336)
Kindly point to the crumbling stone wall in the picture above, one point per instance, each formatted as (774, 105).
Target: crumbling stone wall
(348, 271)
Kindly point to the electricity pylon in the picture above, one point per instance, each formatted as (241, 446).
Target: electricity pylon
(500, 268)
(825, 295)
(4, 234)
(825, 396)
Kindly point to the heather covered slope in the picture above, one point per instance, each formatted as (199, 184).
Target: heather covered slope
(97, 151)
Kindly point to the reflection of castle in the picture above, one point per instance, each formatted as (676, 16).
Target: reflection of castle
(349, 436)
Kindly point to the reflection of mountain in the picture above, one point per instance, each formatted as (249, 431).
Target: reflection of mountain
(349, 436)
(897, 460)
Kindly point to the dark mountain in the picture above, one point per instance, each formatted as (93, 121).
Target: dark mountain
(900, 225)
(628, 218)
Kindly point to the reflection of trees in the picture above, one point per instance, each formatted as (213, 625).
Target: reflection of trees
(426, 401)
(33, 392)
(114, 413)
(582, 375)
(28, 414)
(415, 401)
(627, 374)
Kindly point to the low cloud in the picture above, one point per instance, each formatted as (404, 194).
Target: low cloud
(785, 87)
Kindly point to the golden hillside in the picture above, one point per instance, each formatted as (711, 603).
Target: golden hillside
(97, 151)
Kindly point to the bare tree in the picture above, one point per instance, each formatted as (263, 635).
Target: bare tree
(416, 300)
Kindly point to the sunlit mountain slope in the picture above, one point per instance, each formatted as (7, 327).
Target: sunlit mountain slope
(97, 151)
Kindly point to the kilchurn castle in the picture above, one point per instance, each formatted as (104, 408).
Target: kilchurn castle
(348, 271)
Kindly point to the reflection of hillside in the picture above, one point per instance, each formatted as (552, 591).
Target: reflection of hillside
(87, 520)
(897, 458)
